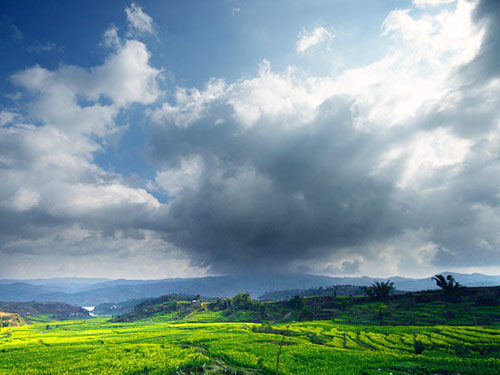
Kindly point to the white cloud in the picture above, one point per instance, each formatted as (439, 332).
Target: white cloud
(125, 77)
(186, 176)
(138, 20)
(313, 38)
(60, 202)
(431, 3)
(405, 117)
(451, 37)
(414, 77)
(268, 96)
(53, 161)
(42, 47)
(274, 96)
(111, 38)
(81, 252)
(419, 72)
(426, 157)
(7, 117)
(306, 144)
(190, 104)
(24, 199)
(81, 197)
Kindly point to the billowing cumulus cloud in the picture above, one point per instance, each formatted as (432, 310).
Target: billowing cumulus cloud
(387, 168)
(296, 171)
(52, 189)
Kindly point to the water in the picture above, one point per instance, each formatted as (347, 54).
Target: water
(90, 309)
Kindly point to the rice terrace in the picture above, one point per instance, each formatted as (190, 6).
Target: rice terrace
(416, 333)
(250, 187)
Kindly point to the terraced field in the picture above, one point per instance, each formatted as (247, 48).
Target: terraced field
(318, 347)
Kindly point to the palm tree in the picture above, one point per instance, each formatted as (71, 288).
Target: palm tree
(380, 290)
(449, 286)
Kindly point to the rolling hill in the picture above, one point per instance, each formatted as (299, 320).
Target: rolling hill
(91, 292)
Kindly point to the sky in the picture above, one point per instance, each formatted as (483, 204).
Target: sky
(156, 139)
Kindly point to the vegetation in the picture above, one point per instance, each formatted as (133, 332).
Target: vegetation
(448, 285)
(117, 308)
(332, 291)
(476, 306)
(182, 305)
(241, 301)
(380, 290)
(317, 347)
(421, 333)
(33, 311)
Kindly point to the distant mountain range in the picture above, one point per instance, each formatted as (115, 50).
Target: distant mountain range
(91, 292)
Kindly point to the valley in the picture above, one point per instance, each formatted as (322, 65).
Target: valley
(424, 333)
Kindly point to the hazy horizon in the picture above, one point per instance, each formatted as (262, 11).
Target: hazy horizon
(256, 275)
(153, 139)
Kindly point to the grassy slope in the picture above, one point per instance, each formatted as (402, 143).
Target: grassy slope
(97, 346)
(192, 340)
(477, 306)
(36, 311)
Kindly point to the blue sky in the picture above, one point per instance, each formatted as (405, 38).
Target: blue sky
(191, 42)
(152, 139)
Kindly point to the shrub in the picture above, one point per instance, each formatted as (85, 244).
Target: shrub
(487, 299)
(380, 290)
(241, 301)
(297, 302)
(419, 347)
(448, 285)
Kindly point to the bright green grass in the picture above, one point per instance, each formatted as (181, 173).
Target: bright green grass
(160, 347)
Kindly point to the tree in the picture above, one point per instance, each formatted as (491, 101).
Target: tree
(262, 308)
(241, 301)
(297, 302)
(380, 290)
(448, 285)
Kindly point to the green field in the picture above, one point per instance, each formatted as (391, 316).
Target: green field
(158, 346)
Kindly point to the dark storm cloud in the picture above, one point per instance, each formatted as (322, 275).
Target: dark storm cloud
(486, 65)
(275, 194)
(279, 172)
(464, 217)
(346, 268)
(270, 196)
(30, 224)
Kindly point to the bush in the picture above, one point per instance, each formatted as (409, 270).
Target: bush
(297, 302)
(487, 299)
(241, 301)
(306, 313)
(419, 347)
(448, 285)
(380, 290)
